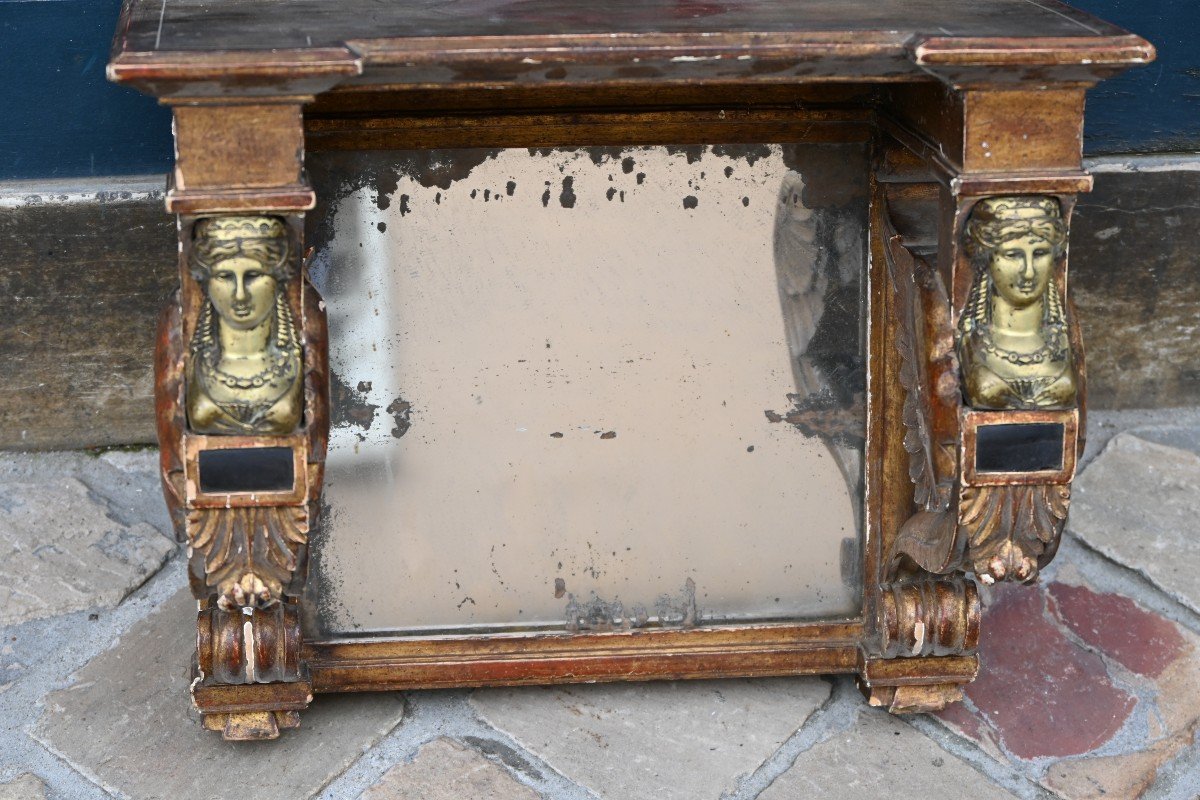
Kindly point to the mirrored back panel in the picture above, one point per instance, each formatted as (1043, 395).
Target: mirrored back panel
(591, 388)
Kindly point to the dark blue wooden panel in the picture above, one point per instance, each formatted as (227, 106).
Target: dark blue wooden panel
(1154, 108)
(60, 117)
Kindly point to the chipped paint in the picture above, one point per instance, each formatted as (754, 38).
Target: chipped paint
(821, 415)
(597, 614)
(1142, 163)
(566, 198)
(104, 191)
(401, 411)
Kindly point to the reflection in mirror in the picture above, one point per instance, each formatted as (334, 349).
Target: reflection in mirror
(591, 389)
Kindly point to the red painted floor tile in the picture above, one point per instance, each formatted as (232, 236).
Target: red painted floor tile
(1044, 695)
(1116, 626)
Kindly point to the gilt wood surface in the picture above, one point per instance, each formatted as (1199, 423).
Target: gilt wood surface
(408, 662)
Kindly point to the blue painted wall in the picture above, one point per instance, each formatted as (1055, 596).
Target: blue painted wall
(1154, 108)
(60, 118)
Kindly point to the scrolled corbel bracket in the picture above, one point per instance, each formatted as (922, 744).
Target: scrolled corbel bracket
(250, 682)
(992, 379)
(1013, 414)
(242, 404)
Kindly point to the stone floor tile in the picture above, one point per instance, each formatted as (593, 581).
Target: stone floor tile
(1180, 436)
(74, 533)
(128, 724)
(659, 741)
(23, 787)
(965, 721)
(11, 666)
(1084, 691)
(880, 756)
(1137, 503)
(447, 770)
(1123, 776)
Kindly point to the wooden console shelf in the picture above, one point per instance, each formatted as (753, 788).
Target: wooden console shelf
(929, 151)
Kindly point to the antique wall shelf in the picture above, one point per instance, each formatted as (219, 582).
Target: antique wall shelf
(543, 282)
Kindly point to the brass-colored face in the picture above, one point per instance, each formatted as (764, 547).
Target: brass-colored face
(242, 294)
(1021, 268)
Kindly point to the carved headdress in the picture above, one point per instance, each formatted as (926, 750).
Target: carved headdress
(264, 239)
(999, 219)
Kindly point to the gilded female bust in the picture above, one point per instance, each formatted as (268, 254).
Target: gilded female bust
(244, 374)
(1013, 342)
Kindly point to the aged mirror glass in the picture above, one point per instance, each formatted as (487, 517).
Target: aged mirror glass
(591, 388)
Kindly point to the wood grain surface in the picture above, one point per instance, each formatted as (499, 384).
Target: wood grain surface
(82, 283)
(251, 25)
(189, 48)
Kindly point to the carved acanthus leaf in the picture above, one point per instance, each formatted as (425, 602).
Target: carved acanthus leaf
(910, 344)
(930, 538)
(249, 555)
(1012, 531)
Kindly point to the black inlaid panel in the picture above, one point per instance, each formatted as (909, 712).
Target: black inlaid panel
(248, 469)
(1019, 447)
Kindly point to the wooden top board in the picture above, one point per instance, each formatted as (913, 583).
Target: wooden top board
(262, 46)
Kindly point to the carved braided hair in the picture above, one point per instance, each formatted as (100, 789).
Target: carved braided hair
(1001, 219)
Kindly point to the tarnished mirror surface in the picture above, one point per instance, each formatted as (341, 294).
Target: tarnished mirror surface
(591, 388)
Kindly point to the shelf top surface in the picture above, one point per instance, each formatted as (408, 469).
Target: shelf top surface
(209, 25)
(863, 37)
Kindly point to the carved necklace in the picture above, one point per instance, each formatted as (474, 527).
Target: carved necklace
(280, 366)
(1030, 388)
(1051, 350)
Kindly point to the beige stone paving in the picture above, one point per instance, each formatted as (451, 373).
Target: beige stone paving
(23, 787)
(126, 722)
(62, 549)
(447, 770)
(878, 757)
(655, 741)
(1137, 503)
